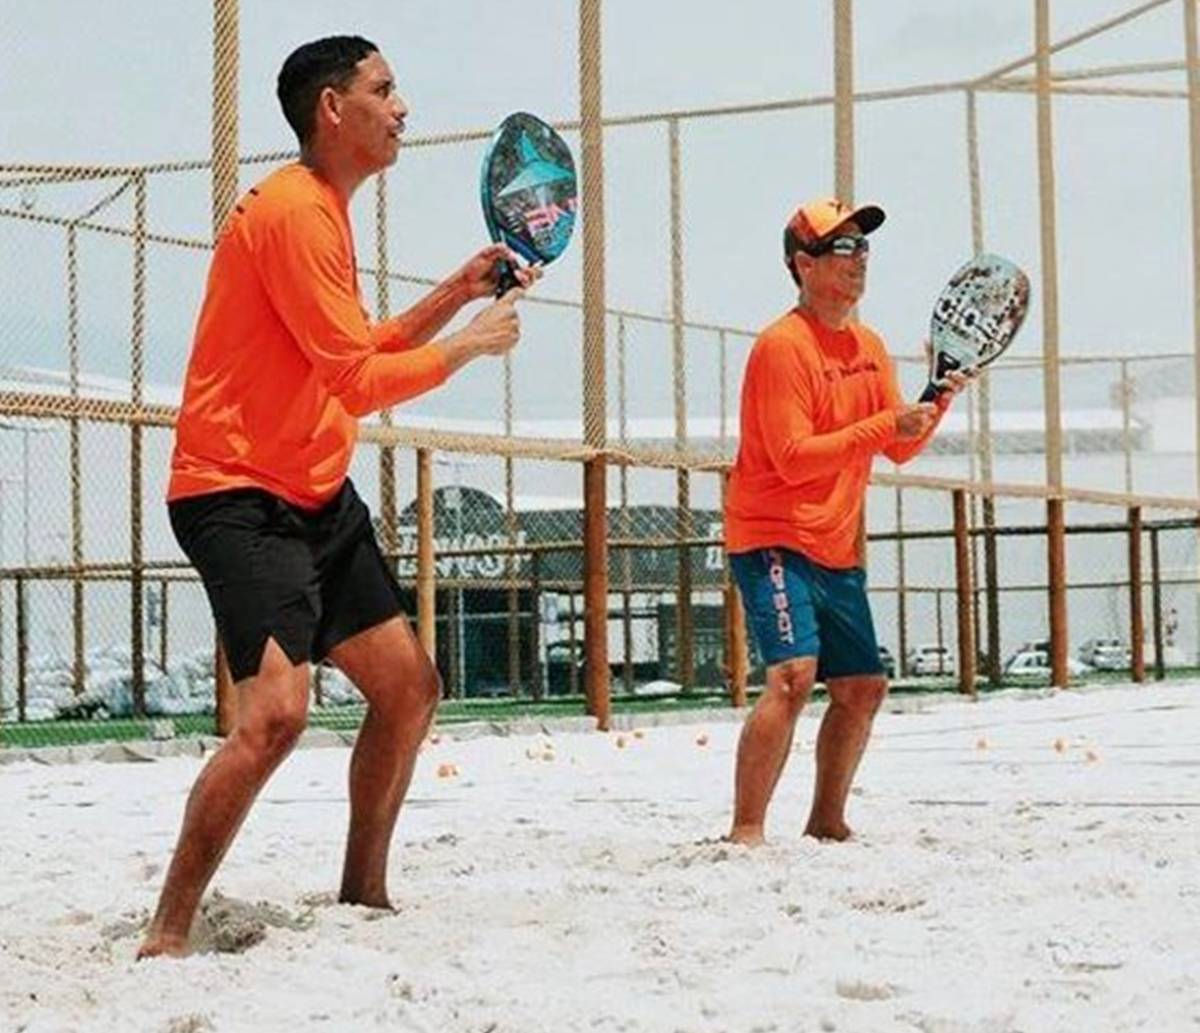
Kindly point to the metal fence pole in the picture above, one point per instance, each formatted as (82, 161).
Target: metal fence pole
(626, 526)
(224, 110)
(1160, 666)
(1057, 567)
(426, 587)
(1137, 629)
(1049, 248)
(163, 613)
(78, 671)
(595, 517)
(136, 541)
(456, 645)
(383, 309)
(573, 645)
(685, 670)
(983, 397)
(991, 574)
(737, 660)
(538, 687)
(22, 647)
(224, 197)
(595, 594)
(3, 705)
(1192, 52)
(965, 594)
(901, 589)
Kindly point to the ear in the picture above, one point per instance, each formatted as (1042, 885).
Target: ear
(329, 107)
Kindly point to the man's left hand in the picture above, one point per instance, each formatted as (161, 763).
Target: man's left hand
(479, 275)
(955, 381)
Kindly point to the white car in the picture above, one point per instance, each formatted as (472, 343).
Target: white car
(930, 659)
(1106, 654)
(1037, 662)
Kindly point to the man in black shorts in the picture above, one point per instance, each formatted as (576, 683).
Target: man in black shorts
(283, 364)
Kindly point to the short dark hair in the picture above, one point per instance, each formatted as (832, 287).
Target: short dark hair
(310, 68)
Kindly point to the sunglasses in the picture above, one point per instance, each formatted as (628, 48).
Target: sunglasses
(844, 247)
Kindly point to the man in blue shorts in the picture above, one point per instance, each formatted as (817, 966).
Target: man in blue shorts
(819, 401)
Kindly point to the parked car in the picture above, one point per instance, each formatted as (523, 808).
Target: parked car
(1106, 654)
(930, 659)
(1036, 662)
(888, 661)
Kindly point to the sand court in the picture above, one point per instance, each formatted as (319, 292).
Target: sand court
(1028, 862)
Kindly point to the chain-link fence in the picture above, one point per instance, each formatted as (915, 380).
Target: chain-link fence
(105, 632)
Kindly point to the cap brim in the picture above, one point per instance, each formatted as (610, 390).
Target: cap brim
(869, 218)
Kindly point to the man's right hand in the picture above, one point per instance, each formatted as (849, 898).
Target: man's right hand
(497, 328)
(494, 331)
(915, 421)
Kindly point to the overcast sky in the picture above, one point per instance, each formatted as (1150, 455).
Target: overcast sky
(128, 81)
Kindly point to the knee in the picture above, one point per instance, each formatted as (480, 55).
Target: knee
(428, 687)
(864, 696)
(275, 730)
(408, 693)
(794, 682)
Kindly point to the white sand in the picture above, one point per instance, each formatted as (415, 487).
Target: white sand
(996, 884)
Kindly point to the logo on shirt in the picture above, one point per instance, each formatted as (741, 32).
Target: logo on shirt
(866, 366)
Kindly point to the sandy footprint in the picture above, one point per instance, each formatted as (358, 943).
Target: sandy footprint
(226, 925)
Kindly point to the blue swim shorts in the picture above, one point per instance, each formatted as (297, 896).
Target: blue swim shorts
(799, 608)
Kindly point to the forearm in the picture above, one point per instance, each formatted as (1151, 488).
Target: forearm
(902, 451)
(823, 455)
(420, 323)
(382, 379)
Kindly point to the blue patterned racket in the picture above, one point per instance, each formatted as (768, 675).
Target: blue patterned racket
(529, 192)
(975, 318)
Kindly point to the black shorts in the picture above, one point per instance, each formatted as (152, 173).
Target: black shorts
(307, 578)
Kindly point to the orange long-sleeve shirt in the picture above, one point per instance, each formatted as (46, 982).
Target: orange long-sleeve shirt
(284, 359)
(817, 405)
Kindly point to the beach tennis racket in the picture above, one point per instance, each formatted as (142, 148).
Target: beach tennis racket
(529, 192)
(975, 318)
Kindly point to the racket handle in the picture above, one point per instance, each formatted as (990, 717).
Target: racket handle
(931, 392)
(506, 278)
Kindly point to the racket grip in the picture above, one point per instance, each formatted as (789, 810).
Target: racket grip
(506, 278)
(931, 392)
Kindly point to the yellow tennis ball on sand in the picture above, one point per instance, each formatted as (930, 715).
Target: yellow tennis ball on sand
(620, 742)
(702, 739)
(639, 734)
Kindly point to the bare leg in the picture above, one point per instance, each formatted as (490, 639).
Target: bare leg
(271, 716)
(765, 742)
(845, 729)
(402, 689)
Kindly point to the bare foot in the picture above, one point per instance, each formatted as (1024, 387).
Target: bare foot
(746, 835)
(839, 832)
(163, 945)
(375, 900)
